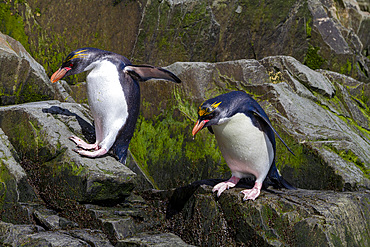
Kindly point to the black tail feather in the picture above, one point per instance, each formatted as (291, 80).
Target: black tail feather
(276, 180)
(120, 152)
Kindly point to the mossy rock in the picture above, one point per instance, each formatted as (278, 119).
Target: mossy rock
(284, 217)
(39, 133)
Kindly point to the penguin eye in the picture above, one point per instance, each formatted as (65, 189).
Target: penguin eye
(71, 65)
(209, 116)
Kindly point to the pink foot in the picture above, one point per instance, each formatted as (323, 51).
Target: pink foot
(221, 187)
(253, 193)
(80, 143)
(90, 154)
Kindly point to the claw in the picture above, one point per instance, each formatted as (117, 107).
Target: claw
(77, 150)
(221, 187)
(82, 144)
(253, 193)
(93, 154)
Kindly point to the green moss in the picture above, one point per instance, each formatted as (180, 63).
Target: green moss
(361, 68)
(347, 68)
(6, 180)
(10, 210)
(166, 152)
(30, 93)
(309, 27)
(26, 136)
(61, 164)
(341, 111)
(352, 157)
(172, 33)
(319, 175)
(337, 241)
(312, 59)
(12, 23)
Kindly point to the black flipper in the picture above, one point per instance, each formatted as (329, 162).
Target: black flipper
(268, 122)
(146, 72)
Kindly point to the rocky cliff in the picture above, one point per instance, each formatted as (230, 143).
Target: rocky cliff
(305, 62)
(50, 196)
(322, 34)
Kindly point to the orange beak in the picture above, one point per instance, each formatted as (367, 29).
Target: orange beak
(59, 74)
(199, 126)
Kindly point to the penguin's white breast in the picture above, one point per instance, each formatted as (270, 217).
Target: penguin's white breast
(106, 98)
(245, 148)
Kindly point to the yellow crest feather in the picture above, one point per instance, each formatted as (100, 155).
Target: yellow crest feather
(77, 54)
(206, 111)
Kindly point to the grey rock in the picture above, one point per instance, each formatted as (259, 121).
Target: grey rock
(13, 235)
(119, 228)
(327, 27)
(153, 239)
(40, 131)
(283, 218)
(93, 237)
(22, 78)
(364, 31)
(51, 221)
(208, 31)
(312, 80)
(329, 131)
(130, 217)
(54, 239)
(48, 219)
(14, 185)
(33, 235)
(322, 114)
(10, 163)
(64, 91)
(142, 182)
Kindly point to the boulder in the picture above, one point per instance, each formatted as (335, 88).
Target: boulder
(13, 235)
(39, 133)
(153, 239)
(33, 235)
(276, 218)
(51, 221)
(22, 78)
(15, 187)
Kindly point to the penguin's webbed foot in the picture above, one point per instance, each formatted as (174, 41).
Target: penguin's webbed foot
(81, 144)
(221, 187)
(253, 193)
(91, 154)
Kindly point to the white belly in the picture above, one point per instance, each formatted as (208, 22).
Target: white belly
(245, 148)
(107, 102)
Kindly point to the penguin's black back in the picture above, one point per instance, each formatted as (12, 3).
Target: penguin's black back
(131, 90)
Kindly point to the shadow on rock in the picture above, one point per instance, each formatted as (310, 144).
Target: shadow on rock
(87, 129)
(181, 195)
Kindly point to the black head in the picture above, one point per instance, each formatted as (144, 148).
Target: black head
(210, 113)
(221, 108)
(76, 62)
